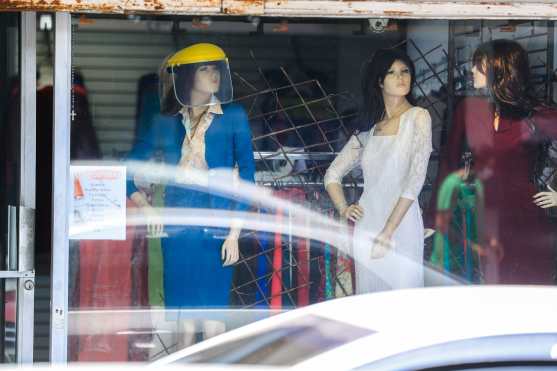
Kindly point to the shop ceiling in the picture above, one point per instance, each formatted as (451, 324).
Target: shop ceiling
(434, 9)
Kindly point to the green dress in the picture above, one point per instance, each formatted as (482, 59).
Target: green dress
(456, 241)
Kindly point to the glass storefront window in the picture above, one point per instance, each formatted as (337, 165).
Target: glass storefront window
(223, 172)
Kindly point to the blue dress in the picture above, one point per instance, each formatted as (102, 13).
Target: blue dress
(193, 271)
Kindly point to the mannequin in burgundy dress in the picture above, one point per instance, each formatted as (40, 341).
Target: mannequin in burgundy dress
(518, 243)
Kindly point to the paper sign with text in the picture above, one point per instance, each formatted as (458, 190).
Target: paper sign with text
(98, 203)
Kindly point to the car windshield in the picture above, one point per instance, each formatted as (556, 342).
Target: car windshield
(290, 343)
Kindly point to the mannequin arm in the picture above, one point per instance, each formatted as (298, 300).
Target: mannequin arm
(153, 218)
(346, 160)
(243, 151)
(350, 212)
(399, 211)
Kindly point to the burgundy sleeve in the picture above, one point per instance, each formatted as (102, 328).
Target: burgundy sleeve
(546, 121)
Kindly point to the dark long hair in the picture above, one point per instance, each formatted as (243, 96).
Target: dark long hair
(373, 74)
(505, 64)
(168, 102)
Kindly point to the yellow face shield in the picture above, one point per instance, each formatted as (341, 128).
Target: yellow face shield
(200, 76)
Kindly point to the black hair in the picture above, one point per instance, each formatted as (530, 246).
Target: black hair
(373, 75)
(169, 105)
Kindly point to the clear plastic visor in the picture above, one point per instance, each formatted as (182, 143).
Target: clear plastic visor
(202, 84)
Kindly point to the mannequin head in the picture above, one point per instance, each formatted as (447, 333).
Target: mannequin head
(397, 81)
(479, 77)
(200, 72)
(502, 68)
(199, 82)
(390, 72)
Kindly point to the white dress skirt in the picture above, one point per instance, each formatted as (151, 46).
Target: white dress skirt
(393, 166)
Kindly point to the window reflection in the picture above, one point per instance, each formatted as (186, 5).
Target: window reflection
(275, 111)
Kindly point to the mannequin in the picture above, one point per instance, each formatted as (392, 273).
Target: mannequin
(196, 131)
(517, 246)
(393, 147)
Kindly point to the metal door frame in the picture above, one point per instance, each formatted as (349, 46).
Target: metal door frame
(60, 188)
(21, 222)
(26, 228)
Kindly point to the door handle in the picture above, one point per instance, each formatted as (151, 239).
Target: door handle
(20, 238)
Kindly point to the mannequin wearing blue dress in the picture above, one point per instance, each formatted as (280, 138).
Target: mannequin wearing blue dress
(196, 259)
(193, 271)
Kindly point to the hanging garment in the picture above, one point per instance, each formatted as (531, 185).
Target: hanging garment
(345, 277)
(245, 283)
(155, 264)
(393, 166)
(105, 278)
(83, 146)
(264, 270)
(147, 108)
(276, 283)
(315, 271)
(519, 237)
(456, 243)
(329, 274)
(303, 283)
(288, 251)
(84, 143)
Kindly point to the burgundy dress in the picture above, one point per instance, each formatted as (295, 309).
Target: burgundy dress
(518, 237)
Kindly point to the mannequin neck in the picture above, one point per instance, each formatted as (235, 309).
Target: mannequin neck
(199, 99)
(395, 105)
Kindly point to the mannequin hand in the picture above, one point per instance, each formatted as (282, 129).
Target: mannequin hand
(382, 244)
(353, 213)
(230, 251)
(154, 222)
(545, 199)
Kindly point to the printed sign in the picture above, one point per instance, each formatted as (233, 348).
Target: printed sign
(98, 203)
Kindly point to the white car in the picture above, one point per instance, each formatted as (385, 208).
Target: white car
(452, 328)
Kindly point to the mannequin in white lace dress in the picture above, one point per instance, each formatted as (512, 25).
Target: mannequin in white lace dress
(393, 148)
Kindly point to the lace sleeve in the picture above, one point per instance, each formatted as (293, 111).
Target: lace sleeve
(346, 160)
(421, 148)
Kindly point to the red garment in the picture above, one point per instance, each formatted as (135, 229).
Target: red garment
(514, 226)
(295, 195)
(276, 282)
(303, 272)
(106, 269)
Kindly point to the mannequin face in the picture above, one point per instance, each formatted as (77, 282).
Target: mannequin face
(206, 79)
(397, 80)
(480, 79)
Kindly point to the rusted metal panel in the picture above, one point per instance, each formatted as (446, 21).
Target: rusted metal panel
(116, 6)
(174, 6)
(251, 7)
(455, 9)
(414, 9)
(97, 6)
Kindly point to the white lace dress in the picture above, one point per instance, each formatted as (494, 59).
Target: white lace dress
(393, 166)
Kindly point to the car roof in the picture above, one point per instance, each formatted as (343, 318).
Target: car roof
(403, 320)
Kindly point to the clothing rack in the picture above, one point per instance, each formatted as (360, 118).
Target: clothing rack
(289, 183)
(281, 156)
